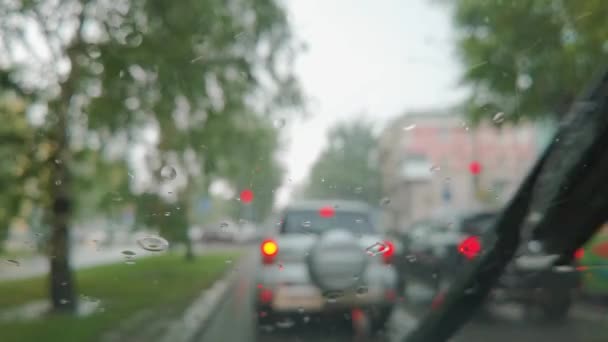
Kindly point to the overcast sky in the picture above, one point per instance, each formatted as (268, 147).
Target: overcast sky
(379, 57)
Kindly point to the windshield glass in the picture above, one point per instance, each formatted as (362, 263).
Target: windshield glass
(299, 170)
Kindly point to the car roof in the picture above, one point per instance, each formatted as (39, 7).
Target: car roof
(338, 205)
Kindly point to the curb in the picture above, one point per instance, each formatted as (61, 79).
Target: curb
(198, 315)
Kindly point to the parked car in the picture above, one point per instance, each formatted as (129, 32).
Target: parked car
(327, 257)
(442, 250)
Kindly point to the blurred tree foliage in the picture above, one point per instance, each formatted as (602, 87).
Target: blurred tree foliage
(348, 167)
(529, 59)
(98, 78)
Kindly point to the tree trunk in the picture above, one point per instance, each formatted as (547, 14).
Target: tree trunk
(62, 287)
(189, 256)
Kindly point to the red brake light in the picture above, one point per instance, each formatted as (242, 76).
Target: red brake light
(269, 249)
(388, 252)
(470, 247)
(579, 254)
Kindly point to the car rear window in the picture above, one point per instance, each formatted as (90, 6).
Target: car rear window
(312, 222)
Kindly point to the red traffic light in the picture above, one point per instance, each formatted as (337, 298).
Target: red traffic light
(475, 168)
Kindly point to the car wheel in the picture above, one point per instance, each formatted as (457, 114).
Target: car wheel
(555, 304)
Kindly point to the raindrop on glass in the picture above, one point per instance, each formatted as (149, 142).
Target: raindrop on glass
(301, 309)
(130, 262)
(63, 301)
(362, 290)
(358, 189)
(434, 168)
(153, 243)
(285, 323)
(409, 127)
(57, 161)
(58, 182)
(128, 253)
(385, 201)
(14, 262)
(499, 117)
(535, 246)
(168, 172)
(279, 123)
(167, 213)
(524, 81)
(377, 248)
(223, 225)
(306, 224)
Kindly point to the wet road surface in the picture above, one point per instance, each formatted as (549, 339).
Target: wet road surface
(235, 321)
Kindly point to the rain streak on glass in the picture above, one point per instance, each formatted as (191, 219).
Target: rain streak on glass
(385, 201)
(409, 127)
(306, 224)
(168, 172)
(128, 253)
(434, 168)
(358, 189)
(153, 243)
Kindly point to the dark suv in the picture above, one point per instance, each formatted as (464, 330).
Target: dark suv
(435, 251)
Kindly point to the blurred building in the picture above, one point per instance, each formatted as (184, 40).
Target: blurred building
(426, 160)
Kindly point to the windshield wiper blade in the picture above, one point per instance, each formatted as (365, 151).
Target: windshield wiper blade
(460, 303)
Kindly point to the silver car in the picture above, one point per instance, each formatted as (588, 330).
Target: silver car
(326, 258)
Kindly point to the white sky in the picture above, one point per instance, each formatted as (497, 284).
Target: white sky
(380, 57)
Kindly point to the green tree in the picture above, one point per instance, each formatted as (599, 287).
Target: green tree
(347, 168)
(111, 71)
(529, 59)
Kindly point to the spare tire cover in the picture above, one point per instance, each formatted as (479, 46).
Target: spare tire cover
(337, 261)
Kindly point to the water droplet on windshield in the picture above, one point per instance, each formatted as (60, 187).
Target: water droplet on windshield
(168, 172)
(306, 224)
(130, 262)
(362, 290)
(435, 168)
(499, 117)
(300, 309)
(167, 213)
(153, 243)
(57, 161)
(332, 296)
(358, 221)
(58, 182)
(223, 225)
(63, 301)
(564, 268)
(279, 123)
(411, 258)
(535, 246)
(385, 201)
(524, 81)
(14, 262)
(128, 253)
(377, 248)
(358, 189)
(409, 127)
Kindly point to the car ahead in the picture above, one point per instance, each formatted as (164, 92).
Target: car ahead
(326, 258)
(444, 250)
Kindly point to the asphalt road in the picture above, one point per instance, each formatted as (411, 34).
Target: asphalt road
(234, 321)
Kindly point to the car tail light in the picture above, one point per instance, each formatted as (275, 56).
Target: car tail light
(265, 296)
(470, 247)
(269, 249)
(579, 254)
(388, 252)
